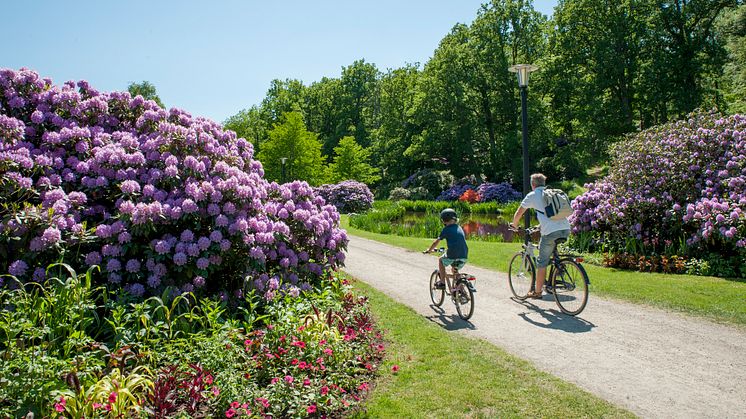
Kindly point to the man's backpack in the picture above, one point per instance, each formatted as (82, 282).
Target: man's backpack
(556, 204)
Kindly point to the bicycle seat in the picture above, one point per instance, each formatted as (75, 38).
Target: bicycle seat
(560, 240)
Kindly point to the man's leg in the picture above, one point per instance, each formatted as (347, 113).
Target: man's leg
(541, 275)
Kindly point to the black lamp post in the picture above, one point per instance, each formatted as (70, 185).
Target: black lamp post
(523, 70)
(283, 160)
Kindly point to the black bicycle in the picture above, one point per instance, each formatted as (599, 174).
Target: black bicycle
(567, 278)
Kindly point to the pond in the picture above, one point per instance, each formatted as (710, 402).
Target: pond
(490, 227)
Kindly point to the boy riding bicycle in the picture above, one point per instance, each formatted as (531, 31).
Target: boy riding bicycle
(458, 251)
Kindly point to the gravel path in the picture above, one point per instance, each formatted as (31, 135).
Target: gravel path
(655, 363)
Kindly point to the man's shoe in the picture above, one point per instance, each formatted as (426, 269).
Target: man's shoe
(535, 295)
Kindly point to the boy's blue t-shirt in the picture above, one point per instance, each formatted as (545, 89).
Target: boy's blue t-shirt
(454, 236)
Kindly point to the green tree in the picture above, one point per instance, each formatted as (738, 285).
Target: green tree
(732, 28)
(250, 124)
(145, 89)
(302, 150)
(351, 162)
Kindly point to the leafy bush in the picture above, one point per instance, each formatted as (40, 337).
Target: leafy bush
(347, 196)
(498, 192)
(155, 197)
(397, 194)
(675, 189)
(433, 182)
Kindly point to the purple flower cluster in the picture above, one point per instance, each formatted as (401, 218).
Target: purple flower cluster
(156, 198)
(682, 181)
(498, 192)
(348, 196)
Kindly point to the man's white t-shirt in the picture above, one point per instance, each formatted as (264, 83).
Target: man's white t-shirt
(535, 201)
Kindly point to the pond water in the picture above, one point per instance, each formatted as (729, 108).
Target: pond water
(493, 227)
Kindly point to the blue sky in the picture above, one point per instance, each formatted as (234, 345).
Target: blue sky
(216, 58)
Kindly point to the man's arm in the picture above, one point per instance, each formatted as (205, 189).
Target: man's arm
(517, 217)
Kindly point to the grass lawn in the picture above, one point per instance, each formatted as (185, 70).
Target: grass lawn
(715, 298)
(447, 375)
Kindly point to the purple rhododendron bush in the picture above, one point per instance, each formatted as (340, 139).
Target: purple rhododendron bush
(232, 307)
(156, 198)
(677, 189)
(347, 196)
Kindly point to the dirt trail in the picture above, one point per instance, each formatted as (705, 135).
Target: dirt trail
(655, 363)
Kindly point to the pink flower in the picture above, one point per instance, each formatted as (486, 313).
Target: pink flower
(306, 382)
(230, 413)
(395, 368)
(60, 406)
(288, 379)
(216, 391)
(235, 405)
(324, 390)
(113, 397)
(311, 409)
(328, 351)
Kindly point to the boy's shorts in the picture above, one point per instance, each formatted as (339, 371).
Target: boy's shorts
(456, 263)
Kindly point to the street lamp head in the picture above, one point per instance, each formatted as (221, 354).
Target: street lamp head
(283, 159)
(523, 71)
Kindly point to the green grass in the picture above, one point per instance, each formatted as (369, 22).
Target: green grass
(447, 375)
(718, 299)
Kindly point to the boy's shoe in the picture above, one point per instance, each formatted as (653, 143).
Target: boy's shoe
(440, 285)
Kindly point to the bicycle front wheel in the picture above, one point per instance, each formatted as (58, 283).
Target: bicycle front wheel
(436, 295)
(570, 284)
(521, 275)
(463, 297)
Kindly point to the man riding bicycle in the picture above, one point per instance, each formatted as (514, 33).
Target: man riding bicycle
(551, 230)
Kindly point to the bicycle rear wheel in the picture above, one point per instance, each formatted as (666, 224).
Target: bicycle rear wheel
(521, 275)
(436, 295)
(570, 283)
(463, 297)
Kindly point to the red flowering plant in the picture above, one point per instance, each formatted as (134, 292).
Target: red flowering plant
(471, 196)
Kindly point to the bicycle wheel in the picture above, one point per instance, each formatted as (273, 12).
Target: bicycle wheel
(436, 295)
(463, 297)
(570, 283)
(521, 275)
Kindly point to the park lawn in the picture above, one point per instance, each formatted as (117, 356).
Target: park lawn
(718, 299)
(448, 375)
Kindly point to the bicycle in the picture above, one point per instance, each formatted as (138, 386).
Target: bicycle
(567, 279)
(460, 286)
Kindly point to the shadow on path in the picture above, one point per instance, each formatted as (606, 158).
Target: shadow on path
(554, 319)
(449, 321)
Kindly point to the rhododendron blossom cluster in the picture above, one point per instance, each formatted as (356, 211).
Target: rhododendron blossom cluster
(153, 197)
(685, 181)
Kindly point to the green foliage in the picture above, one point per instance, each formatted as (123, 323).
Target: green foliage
(145, 89)
(351, 162)
(301, 148)
(732, 26)
(70, 350)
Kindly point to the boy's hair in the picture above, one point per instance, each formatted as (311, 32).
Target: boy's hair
(538, 179)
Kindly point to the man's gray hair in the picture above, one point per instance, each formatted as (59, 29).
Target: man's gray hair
(538, 179)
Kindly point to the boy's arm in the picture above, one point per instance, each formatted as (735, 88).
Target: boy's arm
(433, 246)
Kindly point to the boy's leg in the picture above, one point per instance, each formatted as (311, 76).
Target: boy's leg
(442, 271)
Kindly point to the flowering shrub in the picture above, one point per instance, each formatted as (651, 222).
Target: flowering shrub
(470, 196)
(498, 192)
(154, 197)
(347, 196)
(454, 192)
(678, 188)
